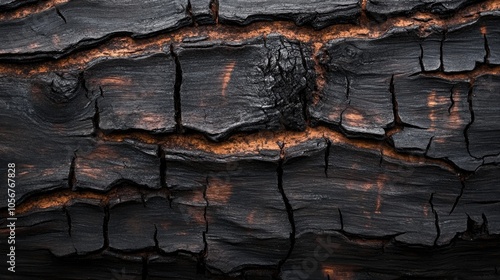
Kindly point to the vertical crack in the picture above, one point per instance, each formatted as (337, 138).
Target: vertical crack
(61, 15)
(472, 116)
(155, 237)
(327, 155)
(70, 228)
(189, 12)
(68, 218)
(428, 145)
(395, 108)
(484, 225)
(487, 50)
(288, 206)
(341, 220)
(421, 58)
(452, 100)
(441, 56)
(177, 90)
(459, 196)
(436, 221)
(476, 230)
(145, 268)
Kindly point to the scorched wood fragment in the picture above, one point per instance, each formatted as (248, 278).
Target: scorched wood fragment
(463, 48)
(254, 85)
(103, 165)
(75, 229)
(381, 9)
(367, 194)
(155, 223)
(134, 93)
(202, 11)
(247, 221)
(357, 94)
(318, 13)
(491, 30)
(44, 120)
(61, 29)
(484, 132)
(436, 112)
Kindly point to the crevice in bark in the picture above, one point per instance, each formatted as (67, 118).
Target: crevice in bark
(428, 145)
(155, 237)
(452, 100)
(68, 218)
(101, 92)
(459, 196)
(436, 221)
(472, 117)
(487, 50)
(475, 230)
(395, 109)
(61, 15)
(189, 12)
(163, 175)
(177, 90)
(441, 59)
(288, 206)
(347, 88)
(327, 155)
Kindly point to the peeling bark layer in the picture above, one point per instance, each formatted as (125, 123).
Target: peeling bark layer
(252, 140)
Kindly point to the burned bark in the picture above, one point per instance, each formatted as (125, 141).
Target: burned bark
(248, 140)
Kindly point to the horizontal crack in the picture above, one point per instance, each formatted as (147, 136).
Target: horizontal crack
(253, 143)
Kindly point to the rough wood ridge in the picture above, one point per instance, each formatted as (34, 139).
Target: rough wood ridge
(248, 139)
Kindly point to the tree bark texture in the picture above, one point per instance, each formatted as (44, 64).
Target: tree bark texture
(250, 139)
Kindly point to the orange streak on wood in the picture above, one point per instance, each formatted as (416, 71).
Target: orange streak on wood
(228, 71)
(337, 272)
(30, 9)
(320, 72)
(61, 198)
(115, 81)
(381, 180)
(253, 144)
(218, 191)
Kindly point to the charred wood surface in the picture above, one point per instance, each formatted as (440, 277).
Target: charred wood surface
(251, 139)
